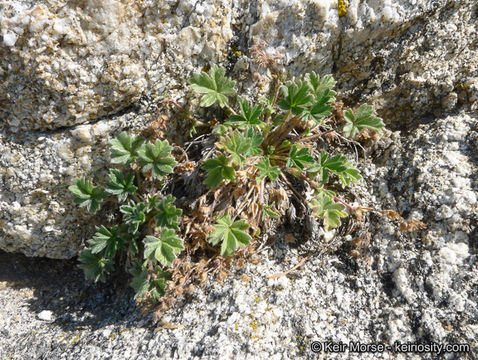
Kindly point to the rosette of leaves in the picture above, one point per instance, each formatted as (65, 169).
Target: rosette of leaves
(268, 141)
(147, 234)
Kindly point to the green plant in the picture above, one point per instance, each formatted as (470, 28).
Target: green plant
(261, 149)
(147, 233)
(261, 146)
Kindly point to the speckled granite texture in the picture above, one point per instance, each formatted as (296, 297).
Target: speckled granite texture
(406, 287)
(66, 65)
(416, 61)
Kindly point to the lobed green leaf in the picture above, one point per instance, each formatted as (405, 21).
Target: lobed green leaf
(86, 195)
(140, 282)
(328, 163)
(134, 215)
(108, 240)
(218, 169)
(349, 175)
(248, 116)
(363, 119)
(230, 235)
(323, 206)
(120, 185)
(320, 107)
(215, 86)
(296, 97)
(299, 158)
(95, 266)
(124, 148)
(163, 249)
(266, 170)
(155, 158)
(168, 214)
(318, 85)
(144, 282)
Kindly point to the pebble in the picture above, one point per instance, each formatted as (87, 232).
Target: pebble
(45, 315)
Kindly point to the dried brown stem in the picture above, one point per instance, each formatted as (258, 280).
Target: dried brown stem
(292, 188)
(299, 264)
(298, 139)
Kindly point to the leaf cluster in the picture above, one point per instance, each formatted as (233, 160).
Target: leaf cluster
(147, 234)
(256, 140)
(259, 147)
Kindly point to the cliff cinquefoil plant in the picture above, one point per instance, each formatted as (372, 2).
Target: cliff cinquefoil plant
(262, 150)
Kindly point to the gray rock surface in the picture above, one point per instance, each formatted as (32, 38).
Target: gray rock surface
(71, 74)
(406, 287)
(65, 65)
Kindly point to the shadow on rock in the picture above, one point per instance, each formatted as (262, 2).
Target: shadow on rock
(59, 286)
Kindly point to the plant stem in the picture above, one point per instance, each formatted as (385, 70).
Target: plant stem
(276, 157)
(230, 109)
(261, 201)
(140, 182)
(312, 182)
(182, 109)
(276, 92)
(298, 139)
(293, 188)
(348, 206)
(244, 202)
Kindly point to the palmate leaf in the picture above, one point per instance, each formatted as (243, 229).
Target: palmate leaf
(248, 117)
(318, 85)
(134, 215)
(88, 195)
(155, 158)
(95, 266)
(158, 286)
(214, 86)
(120, 185)
(350, 174)
(168, 214)
(163, 249)
(321, 107)
(236, 145)
(254, 139)
(108, 240)
(296, 97)
(152, 201)
(338, 164)
(323, 206)
(124, 148)
(218, 169)
(142, 283)
(230, 235)
(266, 170)
(363, 119)
(299, 158)
(241, 146)
(328, 163)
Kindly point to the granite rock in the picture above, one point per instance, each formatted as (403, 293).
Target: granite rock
(74, 72)
(406, 287)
